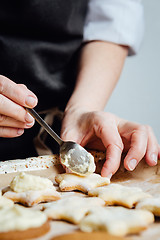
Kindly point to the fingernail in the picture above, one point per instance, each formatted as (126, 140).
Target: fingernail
(30, 124)
(31, 101)
(154, 157)
(132, 164)
(29, 118)
(20, 131)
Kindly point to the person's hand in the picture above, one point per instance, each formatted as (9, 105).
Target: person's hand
(105, 131)
(13, 117)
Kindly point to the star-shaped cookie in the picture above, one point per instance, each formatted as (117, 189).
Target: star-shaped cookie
(71, 209)
(30, 190)
(116, 194)
(116, 221)
(70, 182)
(150, 204)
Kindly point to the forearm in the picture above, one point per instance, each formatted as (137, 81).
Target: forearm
(99, 70)
(84, 122)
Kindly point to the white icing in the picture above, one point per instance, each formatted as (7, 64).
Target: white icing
(82, 165)
(25, 182)
(20, 218)
(5, 202)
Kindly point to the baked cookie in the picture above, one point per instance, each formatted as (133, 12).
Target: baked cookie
(71, 209)
(71, 181)
(116, 194)
(5, 202)
(19, 222)
(150, 204)
(30, 190)
(87, 236)
(116, 221)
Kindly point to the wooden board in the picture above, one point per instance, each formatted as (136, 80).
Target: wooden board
(145, 177)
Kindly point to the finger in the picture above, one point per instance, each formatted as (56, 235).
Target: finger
(137, 149)
(111, 139)
(7, 132)
(13, 110)
(152, 148)
(71, 135)
(17, 92)
(10, 122)
(112, 163)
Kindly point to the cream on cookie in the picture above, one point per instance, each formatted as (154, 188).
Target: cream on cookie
(18, 219)
(5, 202)
(82, 164)
(25, 182)
(30, 190)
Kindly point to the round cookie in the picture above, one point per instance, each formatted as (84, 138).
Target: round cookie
(18, 222)
(26, 234)
(88, 236)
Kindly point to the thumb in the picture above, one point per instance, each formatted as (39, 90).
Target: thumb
(71, 134)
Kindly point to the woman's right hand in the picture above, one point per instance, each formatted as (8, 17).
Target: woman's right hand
(13, 117)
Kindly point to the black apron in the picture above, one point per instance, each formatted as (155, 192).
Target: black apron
(39, 46)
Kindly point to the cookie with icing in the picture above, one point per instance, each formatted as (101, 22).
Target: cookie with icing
(19, 222)
(5, 202)
(30, 190)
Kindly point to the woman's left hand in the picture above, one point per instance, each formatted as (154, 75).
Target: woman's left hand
(104, 131)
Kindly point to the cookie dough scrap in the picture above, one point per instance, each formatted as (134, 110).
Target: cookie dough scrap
(116, 194)
(71, 209)
(150, 204)
(116, 221)
(30, 190)
(71, 181)
(19, 222)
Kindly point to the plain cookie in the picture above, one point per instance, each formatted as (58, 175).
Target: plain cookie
(116, 194)
(117, 221)
(150, 204)
(70, 182)
(71, 209)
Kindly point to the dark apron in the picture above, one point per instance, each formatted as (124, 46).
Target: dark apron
(39, 46)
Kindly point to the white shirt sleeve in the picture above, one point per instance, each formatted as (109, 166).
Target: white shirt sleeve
(117, 21)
